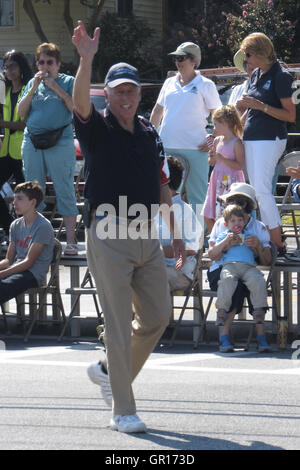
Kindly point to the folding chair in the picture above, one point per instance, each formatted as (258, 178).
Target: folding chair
(288, 204)
(50, 287)
(20, 315)
(77, 292)
(272, 290)
(3, 317)
(50, 212)
(79, 200)
(192, 291)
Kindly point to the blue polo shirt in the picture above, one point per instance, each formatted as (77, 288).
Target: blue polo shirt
(238, 253)
(272, 86)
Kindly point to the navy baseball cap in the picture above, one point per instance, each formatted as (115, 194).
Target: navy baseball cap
(122, 73)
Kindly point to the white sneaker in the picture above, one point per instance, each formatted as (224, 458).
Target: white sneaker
(99, 377)
(127, 423)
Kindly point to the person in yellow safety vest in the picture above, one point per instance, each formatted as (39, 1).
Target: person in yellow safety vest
(17, 73)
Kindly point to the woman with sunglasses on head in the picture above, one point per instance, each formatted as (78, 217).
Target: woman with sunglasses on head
(17, 72)
(47, 103)
(182, 108)
(269, 107)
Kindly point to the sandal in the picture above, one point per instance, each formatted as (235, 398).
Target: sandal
(71, 249)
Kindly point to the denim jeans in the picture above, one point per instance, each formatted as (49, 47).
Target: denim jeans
(16, 284)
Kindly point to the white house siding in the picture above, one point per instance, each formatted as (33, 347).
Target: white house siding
(150, 10)
(23, 37)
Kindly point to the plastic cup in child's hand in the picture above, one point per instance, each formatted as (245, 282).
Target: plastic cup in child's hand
(210, 141)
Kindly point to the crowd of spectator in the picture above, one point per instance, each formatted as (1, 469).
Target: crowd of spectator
(125, 156)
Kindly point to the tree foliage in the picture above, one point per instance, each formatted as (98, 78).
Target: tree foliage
(263, 16)
(206, 27)
(96, 7)
(219, 31)
(124, 40)
(218, 27)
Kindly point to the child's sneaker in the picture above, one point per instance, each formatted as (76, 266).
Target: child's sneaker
(263, 345)
(225, 345)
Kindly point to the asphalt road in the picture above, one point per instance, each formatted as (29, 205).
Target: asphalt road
(190, 400)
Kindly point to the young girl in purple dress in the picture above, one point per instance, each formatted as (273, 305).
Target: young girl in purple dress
(228, 158)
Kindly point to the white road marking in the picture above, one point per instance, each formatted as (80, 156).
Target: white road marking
(163, 360)
(170, 363)
(153, 366)
(28, 362)
(34, 352)
(218, 370)
(199, 357)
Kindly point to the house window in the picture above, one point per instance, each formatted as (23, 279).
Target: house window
(124, 7)
(7, 13)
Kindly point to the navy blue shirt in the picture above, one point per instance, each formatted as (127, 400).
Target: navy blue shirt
(272, 86)
(119, 163)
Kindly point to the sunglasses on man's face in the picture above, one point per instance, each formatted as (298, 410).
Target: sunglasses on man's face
(48, 62)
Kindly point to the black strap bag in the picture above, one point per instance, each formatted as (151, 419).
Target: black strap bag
(46, 140)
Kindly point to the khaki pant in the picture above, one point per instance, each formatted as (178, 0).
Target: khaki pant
(176, 279)
(251, 277)
(130, 276)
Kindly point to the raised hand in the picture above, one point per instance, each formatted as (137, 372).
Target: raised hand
(85, 45)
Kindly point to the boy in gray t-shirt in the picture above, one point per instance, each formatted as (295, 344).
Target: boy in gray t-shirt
(30, 250)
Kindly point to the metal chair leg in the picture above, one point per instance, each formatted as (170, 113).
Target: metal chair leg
(4, 318)
(68, 320)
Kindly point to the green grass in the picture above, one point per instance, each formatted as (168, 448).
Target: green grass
(288, 220)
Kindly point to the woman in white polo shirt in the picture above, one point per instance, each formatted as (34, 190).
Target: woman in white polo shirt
(180, 113)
